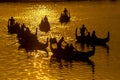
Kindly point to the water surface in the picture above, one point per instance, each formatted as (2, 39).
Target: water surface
(99, 16)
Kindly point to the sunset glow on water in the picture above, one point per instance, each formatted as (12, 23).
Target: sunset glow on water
(99, 16)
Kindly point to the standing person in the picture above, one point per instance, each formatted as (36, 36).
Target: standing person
(11, 21)
(11, 25)
(82, 30)
(93, 35)
(65, 11)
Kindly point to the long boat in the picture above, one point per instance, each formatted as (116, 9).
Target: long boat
(83, 55)
(92, 40)
(13, 29)
(70, 53)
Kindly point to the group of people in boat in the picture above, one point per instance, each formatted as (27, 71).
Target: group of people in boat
(68, 51)
(12, 25)
(83, 31)
(90, 39)
(16, 26)
(26, 39)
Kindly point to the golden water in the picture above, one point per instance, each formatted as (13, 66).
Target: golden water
(99, 16)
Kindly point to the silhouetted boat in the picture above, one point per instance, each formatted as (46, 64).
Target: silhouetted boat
(30, 42)
(79, 55)
(64, 18)
(63, 64)
(99, 41)
(42, 46)
(70, 53)
(13, 29)
(44, 25)
(94, 40)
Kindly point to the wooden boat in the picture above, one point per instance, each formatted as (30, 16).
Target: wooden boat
(30, 42)
(63, 64)
(83, 55)
(13, 29)
(70, 53)
(99, 41)
(64, 18)
(44, 25)
(94, 40)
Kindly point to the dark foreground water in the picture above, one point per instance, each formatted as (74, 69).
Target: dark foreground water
(99, 16)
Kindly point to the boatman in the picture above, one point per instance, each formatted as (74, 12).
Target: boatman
(65, 11)
(82, 30)
(11, 21)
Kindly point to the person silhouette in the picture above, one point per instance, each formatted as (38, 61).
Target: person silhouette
(60, 43)
(65, 11)
(82, 30)
(45, 19)
(93, 35)
(27, 30)
(46, 23)
(11, 21)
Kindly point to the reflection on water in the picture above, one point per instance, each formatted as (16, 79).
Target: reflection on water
(102, 17)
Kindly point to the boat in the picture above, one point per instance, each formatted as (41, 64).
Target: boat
(83, 55)
(44, 25)
(30, 42)
(100, 41)
(93, 40)
(64, 18)
(70, 53)
(13, 29)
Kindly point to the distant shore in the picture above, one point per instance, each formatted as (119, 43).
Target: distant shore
(49, 0)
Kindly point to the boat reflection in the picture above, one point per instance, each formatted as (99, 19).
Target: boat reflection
(70, 64)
